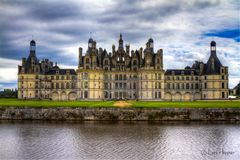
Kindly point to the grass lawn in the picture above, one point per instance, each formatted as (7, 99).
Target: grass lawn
(4, 102)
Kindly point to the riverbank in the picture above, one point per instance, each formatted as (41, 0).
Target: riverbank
(122, 114)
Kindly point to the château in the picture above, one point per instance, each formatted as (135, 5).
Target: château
(122, 74)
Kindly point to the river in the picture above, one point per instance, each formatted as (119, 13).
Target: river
(119, 140)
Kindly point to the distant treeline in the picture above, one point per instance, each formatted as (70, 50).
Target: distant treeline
(8, 93)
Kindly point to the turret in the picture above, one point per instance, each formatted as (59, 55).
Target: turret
(213, 47)
(90, 42)
(32, 48)
(150, 41)
(120, 42)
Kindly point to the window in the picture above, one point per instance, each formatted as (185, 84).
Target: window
(196, 86)
(158, 61)
(106, 62)
(85, 76)
(85, 85)
(168, 85)
(178, 86)
(85, 94)
(68, 85)
(223, 85)
(222, 77)
(135, 62)
(87, 60)
(223, 95)
(205, 85)
(187, 86)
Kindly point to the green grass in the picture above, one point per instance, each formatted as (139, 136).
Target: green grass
(194, 104)
(42, 103)
(4, 102)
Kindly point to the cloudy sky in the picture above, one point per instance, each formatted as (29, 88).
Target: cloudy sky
(182, 28)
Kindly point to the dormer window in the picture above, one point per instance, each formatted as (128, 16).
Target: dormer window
(68, 71)
(57, 72)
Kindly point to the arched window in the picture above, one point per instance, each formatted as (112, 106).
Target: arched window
(87, 67)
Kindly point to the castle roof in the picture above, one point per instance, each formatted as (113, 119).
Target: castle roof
(213, 65)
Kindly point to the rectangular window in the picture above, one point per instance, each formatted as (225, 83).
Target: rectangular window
(223, 86)
(205, 85)
(196, 86)
(223, 95)
(168, 85)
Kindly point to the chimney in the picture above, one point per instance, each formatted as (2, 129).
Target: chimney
(113, 49)
(79, 57)
(23, 61)
(127, 49)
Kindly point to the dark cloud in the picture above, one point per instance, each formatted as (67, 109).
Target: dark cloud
(57, 25)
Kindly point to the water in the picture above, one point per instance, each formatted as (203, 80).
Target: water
(121, 140)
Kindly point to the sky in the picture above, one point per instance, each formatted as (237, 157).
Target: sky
(182, 28)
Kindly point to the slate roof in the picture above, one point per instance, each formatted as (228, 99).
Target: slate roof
(213, 65)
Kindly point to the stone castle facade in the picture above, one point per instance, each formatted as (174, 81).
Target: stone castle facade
(122, 74)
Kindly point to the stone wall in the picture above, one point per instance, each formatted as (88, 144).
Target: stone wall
(14, 113)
